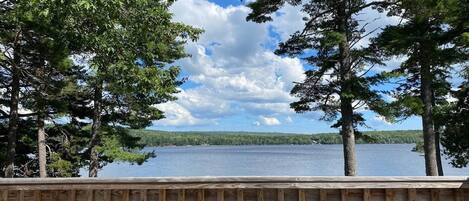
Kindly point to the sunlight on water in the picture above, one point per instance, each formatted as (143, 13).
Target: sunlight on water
(276, 160)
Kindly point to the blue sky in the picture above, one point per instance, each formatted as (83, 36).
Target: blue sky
(236, 83)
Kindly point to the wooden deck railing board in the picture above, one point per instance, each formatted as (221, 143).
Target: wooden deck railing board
(237, 189)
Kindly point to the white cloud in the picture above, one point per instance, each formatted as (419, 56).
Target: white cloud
(176, 115)
(269, 121)
(288, 20)
(233, 72)
(381, 120)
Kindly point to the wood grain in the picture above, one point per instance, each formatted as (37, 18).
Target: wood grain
(4, 195)
(458, 195)
(260, 195)
(239, 195)
(344, 195)
(162, 195)
(72, 195)
(208, 180)
(220, 195)
(143, 195)
(301, 195)
(37, 196)
(90, 195)
(435, 194)
(20, 195)
(107, 195)
(222, 188)
(182, 195)
(366, 195)
(280, 195)
(126, 195)
(389, 194)
(322, 195)
(412, 194)
(201, 195)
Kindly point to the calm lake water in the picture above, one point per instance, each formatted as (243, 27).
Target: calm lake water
(276, 160)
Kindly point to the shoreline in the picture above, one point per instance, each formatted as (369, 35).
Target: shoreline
(247, 145)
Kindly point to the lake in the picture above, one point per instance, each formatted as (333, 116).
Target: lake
(276, 160)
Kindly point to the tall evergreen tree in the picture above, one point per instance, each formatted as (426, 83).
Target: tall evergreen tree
(43, 55)
(133, 45)
(454, 116)
(455, 138)
(340, 81)
(129, 46)
(12, 31)
(425, 39)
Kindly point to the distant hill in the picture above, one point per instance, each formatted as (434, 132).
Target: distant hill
(171, 138)
(221, 133)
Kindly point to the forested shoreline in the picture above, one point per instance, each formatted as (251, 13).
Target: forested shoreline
(165, 138)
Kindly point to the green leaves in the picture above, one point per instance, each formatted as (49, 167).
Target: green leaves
(129, 48)
(86, 4)
(114, 148)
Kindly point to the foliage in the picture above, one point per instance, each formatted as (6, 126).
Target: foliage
(163, 138)
(454, 116)
(418, 147)
(423, 40)
(319, 44)
(429, 42)
(110, 62)
(339, 82)
(456, 129)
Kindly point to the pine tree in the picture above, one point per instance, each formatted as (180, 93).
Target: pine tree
(43, 55)
(453, 117)
(456, 126)
(339, 83)
(129, 48)
(424, 38)
(133, 46)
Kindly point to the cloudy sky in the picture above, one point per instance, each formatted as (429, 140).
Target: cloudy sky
(236, 83)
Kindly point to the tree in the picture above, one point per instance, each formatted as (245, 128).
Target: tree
(340, 81)
(43, 56)
(129, 48)
(454, 117)
(455, 138)
(424, 38)
(11, 37)
(133, 45)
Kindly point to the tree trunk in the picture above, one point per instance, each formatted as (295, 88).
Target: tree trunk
(14, 117)
(348, 135)
(427, 122)
(40, 108)
(438, 151)
(348, 139)
(95, 130)
(41, 143)
(437, 138)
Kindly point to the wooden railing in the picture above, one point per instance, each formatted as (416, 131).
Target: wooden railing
(238, 189)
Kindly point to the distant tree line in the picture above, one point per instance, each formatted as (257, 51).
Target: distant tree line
(163, 138)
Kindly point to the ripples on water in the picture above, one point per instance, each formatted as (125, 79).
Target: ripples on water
(276, 160)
